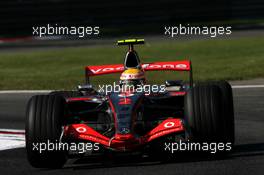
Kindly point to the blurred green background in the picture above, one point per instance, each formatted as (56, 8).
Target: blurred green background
(225, 59)
(57, 62)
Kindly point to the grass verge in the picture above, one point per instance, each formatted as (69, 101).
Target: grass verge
(218, 59)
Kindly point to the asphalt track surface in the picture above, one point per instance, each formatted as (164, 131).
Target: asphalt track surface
(247, 158)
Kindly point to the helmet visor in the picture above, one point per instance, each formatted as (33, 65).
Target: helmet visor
(131, 82)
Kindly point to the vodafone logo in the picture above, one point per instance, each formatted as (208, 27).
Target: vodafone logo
(81, 129)
(169, 124)
(146, 66)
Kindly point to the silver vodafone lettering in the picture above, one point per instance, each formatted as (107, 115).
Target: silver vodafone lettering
(144, 66)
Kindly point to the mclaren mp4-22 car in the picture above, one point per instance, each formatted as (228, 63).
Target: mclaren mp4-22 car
(85, 122)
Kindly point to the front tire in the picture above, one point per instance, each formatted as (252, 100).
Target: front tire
(44, 122)
(227, 110)
(209, 113)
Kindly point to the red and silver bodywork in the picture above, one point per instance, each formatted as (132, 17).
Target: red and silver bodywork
(126, 108)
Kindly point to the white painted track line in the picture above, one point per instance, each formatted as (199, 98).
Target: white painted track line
(247, 86)
(19, 131)
(24, 91)
(12, 138)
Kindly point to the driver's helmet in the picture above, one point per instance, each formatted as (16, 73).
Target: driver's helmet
(132, 77)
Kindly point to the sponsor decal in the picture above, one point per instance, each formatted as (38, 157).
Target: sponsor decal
(150, 66)
(125, 101)
(169, 124)
(124, 131)
(125, 94)
(81, 129)
(95, 71)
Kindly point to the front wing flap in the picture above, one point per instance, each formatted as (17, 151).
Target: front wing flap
(84, 132)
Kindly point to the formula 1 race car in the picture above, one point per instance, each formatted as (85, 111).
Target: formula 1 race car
(126, 121)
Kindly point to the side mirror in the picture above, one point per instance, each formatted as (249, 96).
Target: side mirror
(86, 87)
(170, 83)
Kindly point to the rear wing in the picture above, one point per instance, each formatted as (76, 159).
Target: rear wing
(155, 66)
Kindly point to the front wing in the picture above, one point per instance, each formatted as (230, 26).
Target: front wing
(126, 141)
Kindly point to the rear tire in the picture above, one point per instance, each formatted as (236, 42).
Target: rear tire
(44, 122)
